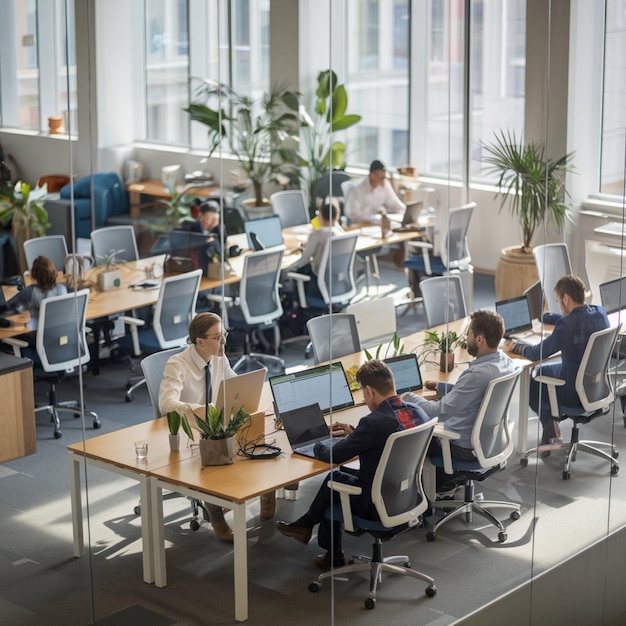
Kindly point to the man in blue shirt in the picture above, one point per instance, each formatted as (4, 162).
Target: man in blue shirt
(389, 414)
(457, 405)
(572, 329)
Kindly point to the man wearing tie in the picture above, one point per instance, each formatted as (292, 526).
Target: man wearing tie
(192, 378)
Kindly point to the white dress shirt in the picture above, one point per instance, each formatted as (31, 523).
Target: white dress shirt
(183, 386)
(314, 248)
(364, 202)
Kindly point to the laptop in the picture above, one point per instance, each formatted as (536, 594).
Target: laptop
(325, 385)
(241, 391)
(304, 427)
(406, 372)
(518, 324)
(534, 295)
(411, 217)
(264, 232)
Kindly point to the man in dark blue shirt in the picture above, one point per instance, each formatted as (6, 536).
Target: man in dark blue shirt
(389, 414)
(572, 329)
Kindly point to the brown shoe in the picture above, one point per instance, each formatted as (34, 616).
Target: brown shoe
(268, 505)
(223, 530)
(299, 533)
(323, 561)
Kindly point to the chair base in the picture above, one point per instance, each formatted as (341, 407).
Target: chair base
(573, 447)
(196, 505)
(70, 406)
(469, 506)
(132, 384)
(397, 564)
(274, 364)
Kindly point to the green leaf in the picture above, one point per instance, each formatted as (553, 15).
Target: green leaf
(173, 422)
(186, 427)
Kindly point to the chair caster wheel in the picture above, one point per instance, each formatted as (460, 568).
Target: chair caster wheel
(515, 515)
(431, 591)
(566, 475)
(615, 454)
(502, 537)
(128, 398)
(614, 470)
(315, 586)
(58, 434)
(97, 424)
(430, 536)
(370, 603)
(407, 564)
(523, 462)
(194, 524)
(137, 510)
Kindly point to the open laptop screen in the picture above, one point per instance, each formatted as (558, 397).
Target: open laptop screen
(325, 385)
(406, 372)
(515, 313)
(267, 230)
(534, 295)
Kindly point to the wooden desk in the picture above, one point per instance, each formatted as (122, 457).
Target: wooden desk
(156, 189)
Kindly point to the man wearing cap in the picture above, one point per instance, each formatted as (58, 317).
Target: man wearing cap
(370, 195)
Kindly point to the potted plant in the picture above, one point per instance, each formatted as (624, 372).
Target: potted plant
(21, 205)
(174, 421)
(217, 435)
(532, 185)
(110, 276)
(442, 344)
(396, 347)
(260, 134)
(318, 152)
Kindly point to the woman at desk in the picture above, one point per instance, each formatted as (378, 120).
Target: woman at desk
(44, 277)
(191, 379)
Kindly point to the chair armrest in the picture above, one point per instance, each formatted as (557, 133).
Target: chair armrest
(345, 491)
(133, 324)
(300, 280)
(16, 344)
(425, 247)
(551, 383)
(445, 437)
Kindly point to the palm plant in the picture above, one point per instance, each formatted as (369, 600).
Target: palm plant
(533, 183)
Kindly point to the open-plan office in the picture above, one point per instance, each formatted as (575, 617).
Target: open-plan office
(433, 82)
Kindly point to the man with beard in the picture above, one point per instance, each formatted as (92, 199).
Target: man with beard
(457, 405)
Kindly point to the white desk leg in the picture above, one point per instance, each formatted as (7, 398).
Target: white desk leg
(158, 534)
(522, 419)
(77, 507)
(147, 540)
(241, 562)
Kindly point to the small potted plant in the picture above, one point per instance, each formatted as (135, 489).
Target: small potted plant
(110, 276)
(442, 344)
(174, 421)
(217, 435)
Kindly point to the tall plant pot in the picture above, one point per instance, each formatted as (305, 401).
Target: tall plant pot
(217, 451)
(174, 442)
(515, 272)
(446, 361)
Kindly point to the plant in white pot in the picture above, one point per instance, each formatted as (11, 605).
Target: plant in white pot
(218, 439)
(532, 185)
(174, 421)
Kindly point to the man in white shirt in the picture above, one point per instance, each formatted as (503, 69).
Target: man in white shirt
(368, 197)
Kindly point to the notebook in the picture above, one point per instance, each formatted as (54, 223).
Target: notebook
(304, 427)
(325, 385)
(264, 232)
(518, 324)
(241, 391)
(406, 372)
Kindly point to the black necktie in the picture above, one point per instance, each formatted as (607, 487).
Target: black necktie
(207, 382)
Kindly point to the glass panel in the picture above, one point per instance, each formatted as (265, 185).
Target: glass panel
(66, 55)
(27, 63)
(614, 101)
(167, 71)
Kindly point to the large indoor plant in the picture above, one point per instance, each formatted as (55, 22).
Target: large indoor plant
(261, 134)
(532, 185)
(217, 434)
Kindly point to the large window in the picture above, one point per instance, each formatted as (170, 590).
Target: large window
(613, 166)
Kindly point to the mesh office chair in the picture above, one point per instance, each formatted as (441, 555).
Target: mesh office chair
(152, 367)
(52, 246)
(443, 299)
(105, 241)
(61, 347)
(595, 393)
(553, 262)
(333, 336)
(258, 309)
(328, 186)
(375, 320)
(492, 445)
(454, 253)
(291, 207)
(399, 498)
(175, 308)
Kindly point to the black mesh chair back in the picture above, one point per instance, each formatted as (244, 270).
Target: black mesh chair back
(259, 296)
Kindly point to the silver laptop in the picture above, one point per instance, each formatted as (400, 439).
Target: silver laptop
(264, 232)
(304, 427)
(518, 324)
(243, 391)
(406, 372)
(534, 295)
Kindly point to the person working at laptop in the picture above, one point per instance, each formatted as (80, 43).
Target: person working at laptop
(572, 329)
(191, 379)
(369, 196)
(208, 221)
(389, 413)
(457, 405)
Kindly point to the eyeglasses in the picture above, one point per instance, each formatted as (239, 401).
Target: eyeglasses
(223, 335)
